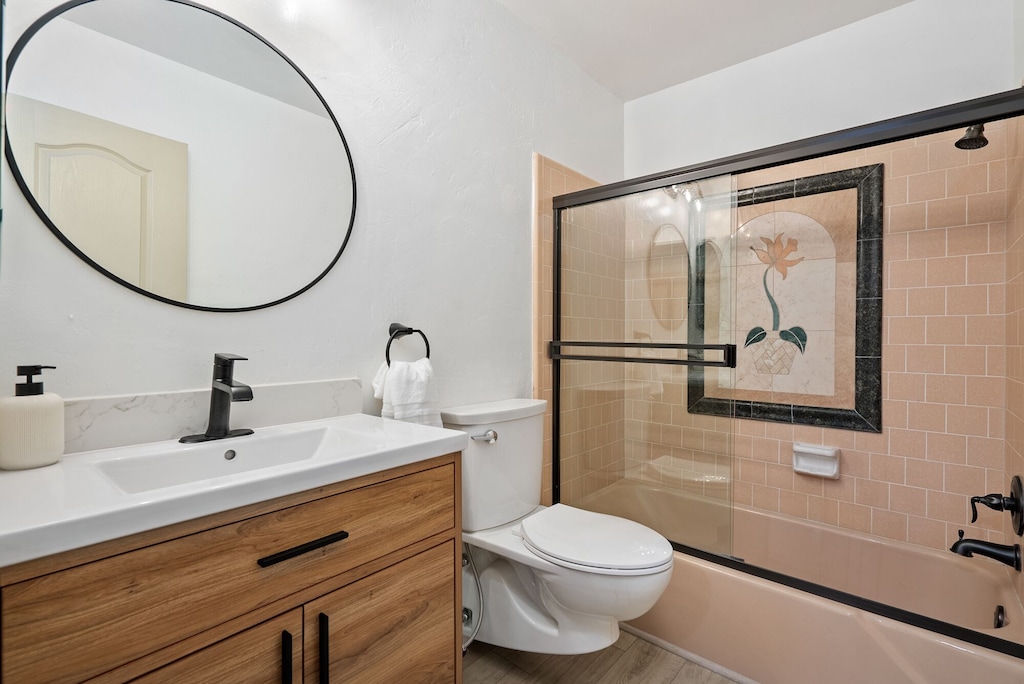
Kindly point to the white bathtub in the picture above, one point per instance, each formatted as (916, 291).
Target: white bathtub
(772, 633)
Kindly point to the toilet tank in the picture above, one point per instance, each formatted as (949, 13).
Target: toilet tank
(500, 481)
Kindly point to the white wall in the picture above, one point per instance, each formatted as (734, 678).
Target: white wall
(443, 104)
(917, 56)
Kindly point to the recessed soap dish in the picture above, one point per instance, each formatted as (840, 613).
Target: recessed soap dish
(816, 459)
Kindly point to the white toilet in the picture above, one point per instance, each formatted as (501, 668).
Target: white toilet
(553, 579)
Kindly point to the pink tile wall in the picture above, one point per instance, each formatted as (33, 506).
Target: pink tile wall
(1014, 320)
(550, 179)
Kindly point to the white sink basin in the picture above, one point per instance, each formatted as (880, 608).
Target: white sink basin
(170, 465)
(98, 495)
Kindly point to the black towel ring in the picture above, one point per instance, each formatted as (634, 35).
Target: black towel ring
(398, 331)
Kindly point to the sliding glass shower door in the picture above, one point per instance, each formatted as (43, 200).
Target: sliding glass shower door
(643, 328)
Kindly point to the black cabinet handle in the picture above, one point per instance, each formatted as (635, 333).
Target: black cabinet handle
(286, 657)
(325, 656)
(301, 549)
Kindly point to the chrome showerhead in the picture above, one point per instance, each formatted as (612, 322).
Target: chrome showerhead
(974, 138)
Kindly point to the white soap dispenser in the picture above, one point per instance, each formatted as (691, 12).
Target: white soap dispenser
(31, 424)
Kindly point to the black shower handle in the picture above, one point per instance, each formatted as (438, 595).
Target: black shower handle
(997, 502)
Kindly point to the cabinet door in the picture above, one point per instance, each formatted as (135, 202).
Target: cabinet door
(269, 653)
(397, 625)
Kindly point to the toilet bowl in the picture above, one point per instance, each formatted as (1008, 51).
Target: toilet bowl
(552, 579)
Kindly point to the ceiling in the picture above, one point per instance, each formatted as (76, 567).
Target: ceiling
(637, 47)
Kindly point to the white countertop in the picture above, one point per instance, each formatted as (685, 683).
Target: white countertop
(73, 503)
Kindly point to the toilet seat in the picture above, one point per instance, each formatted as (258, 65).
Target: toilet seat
(594, 542)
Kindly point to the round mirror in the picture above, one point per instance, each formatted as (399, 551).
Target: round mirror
(668, 268)
(178, 153)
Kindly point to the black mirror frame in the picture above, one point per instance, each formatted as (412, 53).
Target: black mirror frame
(12, 59)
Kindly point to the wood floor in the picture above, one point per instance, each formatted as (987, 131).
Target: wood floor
(630, 660)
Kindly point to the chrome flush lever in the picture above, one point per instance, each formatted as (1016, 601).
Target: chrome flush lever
(490, 437)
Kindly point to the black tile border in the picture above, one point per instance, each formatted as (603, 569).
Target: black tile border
(866, 415)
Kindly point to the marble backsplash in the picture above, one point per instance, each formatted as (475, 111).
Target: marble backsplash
(102, 422)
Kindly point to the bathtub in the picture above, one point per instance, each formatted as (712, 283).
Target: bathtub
(769, 632)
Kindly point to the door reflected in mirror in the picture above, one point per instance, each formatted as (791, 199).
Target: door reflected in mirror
(178, 153)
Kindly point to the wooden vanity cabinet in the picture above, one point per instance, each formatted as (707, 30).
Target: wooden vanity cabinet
(268, 652)
(364, 573)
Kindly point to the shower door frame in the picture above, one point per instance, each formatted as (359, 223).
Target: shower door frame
(984, 109)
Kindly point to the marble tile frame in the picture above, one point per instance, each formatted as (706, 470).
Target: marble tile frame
(866, 414)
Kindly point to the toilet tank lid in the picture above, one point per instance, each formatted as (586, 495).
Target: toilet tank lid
(493, 411)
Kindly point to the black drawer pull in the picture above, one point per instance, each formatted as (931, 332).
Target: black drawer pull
(301, 549)
(286, 657)
(325, 657)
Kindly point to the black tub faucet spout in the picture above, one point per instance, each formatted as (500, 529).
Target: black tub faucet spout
(1004, 553)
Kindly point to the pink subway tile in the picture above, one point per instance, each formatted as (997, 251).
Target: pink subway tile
(986, 452)
(926, 416)
(966, 360)
(926, 358)
(926, 186)
(946, 271)
(779, 476)
(908, 217)
(942, 155)
(925, 474)
(909, 330)
(889, 524)
(910, 500)
(855, 517)
(910, 160)
(946, 389)
(960, 479)
(766, 498)
(946, 213)
(823, 510)
(946, 330)
(927, 301)
(985, 391)
(986, 208)
(948, 507)
(907, 386)
(947, 448)
(925, 532)
(967, 299)
(871, 493)
(891, 468)
(968, 240)
(843, 489)
(793, 503)
(967, 180)
(986, 330)
(894, 413)
(985, 268)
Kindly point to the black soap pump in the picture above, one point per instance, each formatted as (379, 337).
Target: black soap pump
(31, 424)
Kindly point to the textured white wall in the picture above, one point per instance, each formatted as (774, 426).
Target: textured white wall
(924, 54)
(443, 104)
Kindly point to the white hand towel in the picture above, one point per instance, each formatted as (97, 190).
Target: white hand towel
(407, 392)
(387, 410)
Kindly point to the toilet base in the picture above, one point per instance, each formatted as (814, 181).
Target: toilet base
(520, 614)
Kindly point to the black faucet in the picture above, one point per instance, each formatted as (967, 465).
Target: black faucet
(1004, 553)
(225, 390)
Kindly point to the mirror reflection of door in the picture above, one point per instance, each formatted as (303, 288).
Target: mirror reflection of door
(119, 194)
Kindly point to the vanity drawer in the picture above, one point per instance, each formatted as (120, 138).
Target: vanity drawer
(77, 623)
